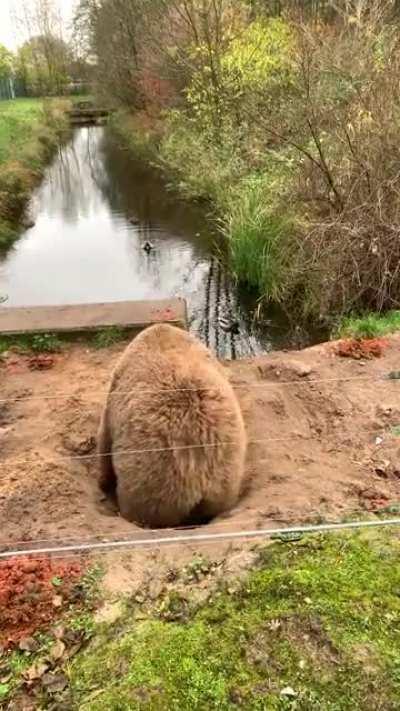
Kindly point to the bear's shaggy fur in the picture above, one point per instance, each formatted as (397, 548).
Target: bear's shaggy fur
(172, 408)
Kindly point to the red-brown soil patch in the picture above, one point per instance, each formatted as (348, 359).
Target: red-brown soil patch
(33, 593)
(362, 349)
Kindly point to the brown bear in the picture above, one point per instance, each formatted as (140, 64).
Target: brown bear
(174, 431)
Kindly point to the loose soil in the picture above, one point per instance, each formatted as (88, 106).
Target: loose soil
(32, 594)
(324, 433)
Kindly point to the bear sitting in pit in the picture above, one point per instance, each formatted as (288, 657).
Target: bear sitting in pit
(172, 438)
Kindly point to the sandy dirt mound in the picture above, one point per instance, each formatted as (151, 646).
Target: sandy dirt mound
(324, 441)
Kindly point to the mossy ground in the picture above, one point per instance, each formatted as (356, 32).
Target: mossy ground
(316, 625)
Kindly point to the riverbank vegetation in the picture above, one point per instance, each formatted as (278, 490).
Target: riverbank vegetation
(284, 116)
(30, 130)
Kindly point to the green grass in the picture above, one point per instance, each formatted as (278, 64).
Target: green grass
(30, 130)
(257, 242)
(319, 619)
(39, 343)
(259, 234)
(17, 120)
(52, 343)
(108, 337)
(370, 326)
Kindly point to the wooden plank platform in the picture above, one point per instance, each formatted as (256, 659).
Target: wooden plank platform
(88, 113)
(134, 315)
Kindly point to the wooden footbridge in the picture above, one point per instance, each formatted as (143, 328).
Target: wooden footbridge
(130, 315)
(86, 112)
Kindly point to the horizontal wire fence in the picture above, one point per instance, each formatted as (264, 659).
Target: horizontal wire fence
(182, 447)
(180, 534)
(157, 541)
(304, 381)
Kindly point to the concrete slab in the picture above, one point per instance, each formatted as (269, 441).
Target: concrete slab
(87, 317)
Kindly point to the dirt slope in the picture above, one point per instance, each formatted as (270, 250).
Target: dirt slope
(328, 445)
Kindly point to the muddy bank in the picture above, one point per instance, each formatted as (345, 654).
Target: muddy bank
(323, 433)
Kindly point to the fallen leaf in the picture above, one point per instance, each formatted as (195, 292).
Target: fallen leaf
(57, 651)
(74, 650)
(36, 671)
(55, 683)
(59, 632)
(29, 644)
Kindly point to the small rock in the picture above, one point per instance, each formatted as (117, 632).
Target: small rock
(303, 371)
(36, 671)
(57, 601)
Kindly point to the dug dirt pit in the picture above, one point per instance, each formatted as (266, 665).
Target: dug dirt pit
(324, 436)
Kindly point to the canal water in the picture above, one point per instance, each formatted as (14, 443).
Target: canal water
(94, 211)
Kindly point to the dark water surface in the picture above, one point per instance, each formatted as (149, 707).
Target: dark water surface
(94, 211)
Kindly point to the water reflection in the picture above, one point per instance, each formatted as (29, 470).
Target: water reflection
(94, 211)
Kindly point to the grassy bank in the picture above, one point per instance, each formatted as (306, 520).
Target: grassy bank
(315, 625)
(248, 207)
(370, 325)
(30, 130)
(288, 127)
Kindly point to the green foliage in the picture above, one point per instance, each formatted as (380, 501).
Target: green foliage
(324, 93)
(38, 343)
(260, 55)
(369, 326)
(319, 619)
(259, 229)
(109, 337)
(6, 62)
(200, 168)
(29, 131)
(45, 343)
(41, 64)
